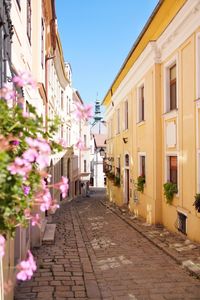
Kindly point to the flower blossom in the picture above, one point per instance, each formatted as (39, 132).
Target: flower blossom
(83, 112)
(45, 199)
(80, 144)
(23, 79)
(7, 92)
(35, 220)
(63, 186)
(2, 245)
(26, 190)
(20, 166)
(15, 142)
(39, 152)
(30, 155)
(26, 267)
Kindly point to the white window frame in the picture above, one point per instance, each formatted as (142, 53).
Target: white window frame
(198, 65)
(167, 66)
(118, 120)
(140, 154)
(140, 86)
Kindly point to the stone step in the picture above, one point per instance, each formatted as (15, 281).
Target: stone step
(49, 234)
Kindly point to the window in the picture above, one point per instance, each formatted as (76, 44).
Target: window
(173, 169)
(126, 160)
(141, 104)
(182, 218)
(172, 78)
(85, 140)
(85, 165)
(126, 114)
(29, 20)
(42, 43)
(118, 120)
(143, 172)
(171, 85)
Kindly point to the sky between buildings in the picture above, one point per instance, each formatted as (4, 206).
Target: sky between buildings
(96, 37)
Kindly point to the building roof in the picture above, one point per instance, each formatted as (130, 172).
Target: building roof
(160, 18)
(99, 140)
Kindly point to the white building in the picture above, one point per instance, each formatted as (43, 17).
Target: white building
(98, 146)
(81, 131)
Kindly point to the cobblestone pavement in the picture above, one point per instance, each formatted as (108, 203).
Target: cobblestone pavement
(97, 255)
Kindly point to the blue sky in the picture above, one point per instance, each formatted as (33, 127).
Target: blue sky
(96, 37)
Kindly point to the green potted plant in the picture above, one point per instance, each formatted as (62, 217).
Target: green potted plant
(197, 202)
(117, 181)
(110, 175)
(170, 189)
(140, 183)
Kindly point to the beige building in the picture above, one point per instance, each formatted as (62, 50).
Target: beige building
(152, 112)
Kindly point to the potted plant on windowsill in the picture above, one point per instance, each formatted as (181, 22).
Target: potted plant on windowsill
(197, 202)
(170, 189)
(140, 183)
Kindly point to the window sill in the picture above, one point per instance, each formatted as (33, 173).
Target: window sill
(140, 123)
(170, 114)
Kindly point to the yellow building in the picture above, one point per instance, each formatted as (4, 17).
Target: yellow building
(153, 117)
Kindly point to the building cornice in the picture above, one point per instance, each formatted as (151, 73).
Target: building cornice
(161, 17)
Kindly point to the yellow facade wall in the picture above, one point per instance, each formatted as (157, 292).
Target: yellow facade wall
(151, 138)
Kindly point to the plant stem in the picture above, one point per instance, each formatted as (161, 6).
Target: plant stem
(14, 125)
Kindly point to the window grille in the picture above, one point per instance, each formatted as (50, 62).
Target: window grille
(182, 223)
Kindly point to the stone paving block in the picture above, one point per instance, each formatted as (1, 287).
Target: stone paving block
(113, 261)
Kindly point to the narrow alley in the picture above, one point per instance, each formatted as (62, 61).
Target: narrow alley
(97, 255)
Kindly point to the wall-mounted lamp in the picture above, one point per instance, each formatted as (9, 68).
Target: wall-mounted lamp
(102, 152)
(125, 140)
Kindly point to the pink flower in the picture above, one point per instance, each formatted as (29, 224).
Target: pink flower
(25, 114)
(83, 112)
(30, 155)
(26, 190)
(54, 207)
(63, 186)
(15, 143)
(80, 144)
(35, 220)
(63, 143)
(43, 160)
(44, 198)
(20, 166)
(2, 245)
(26, 267)
(39, 152)
(7, 92)
(27, 213)
(23, 79)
